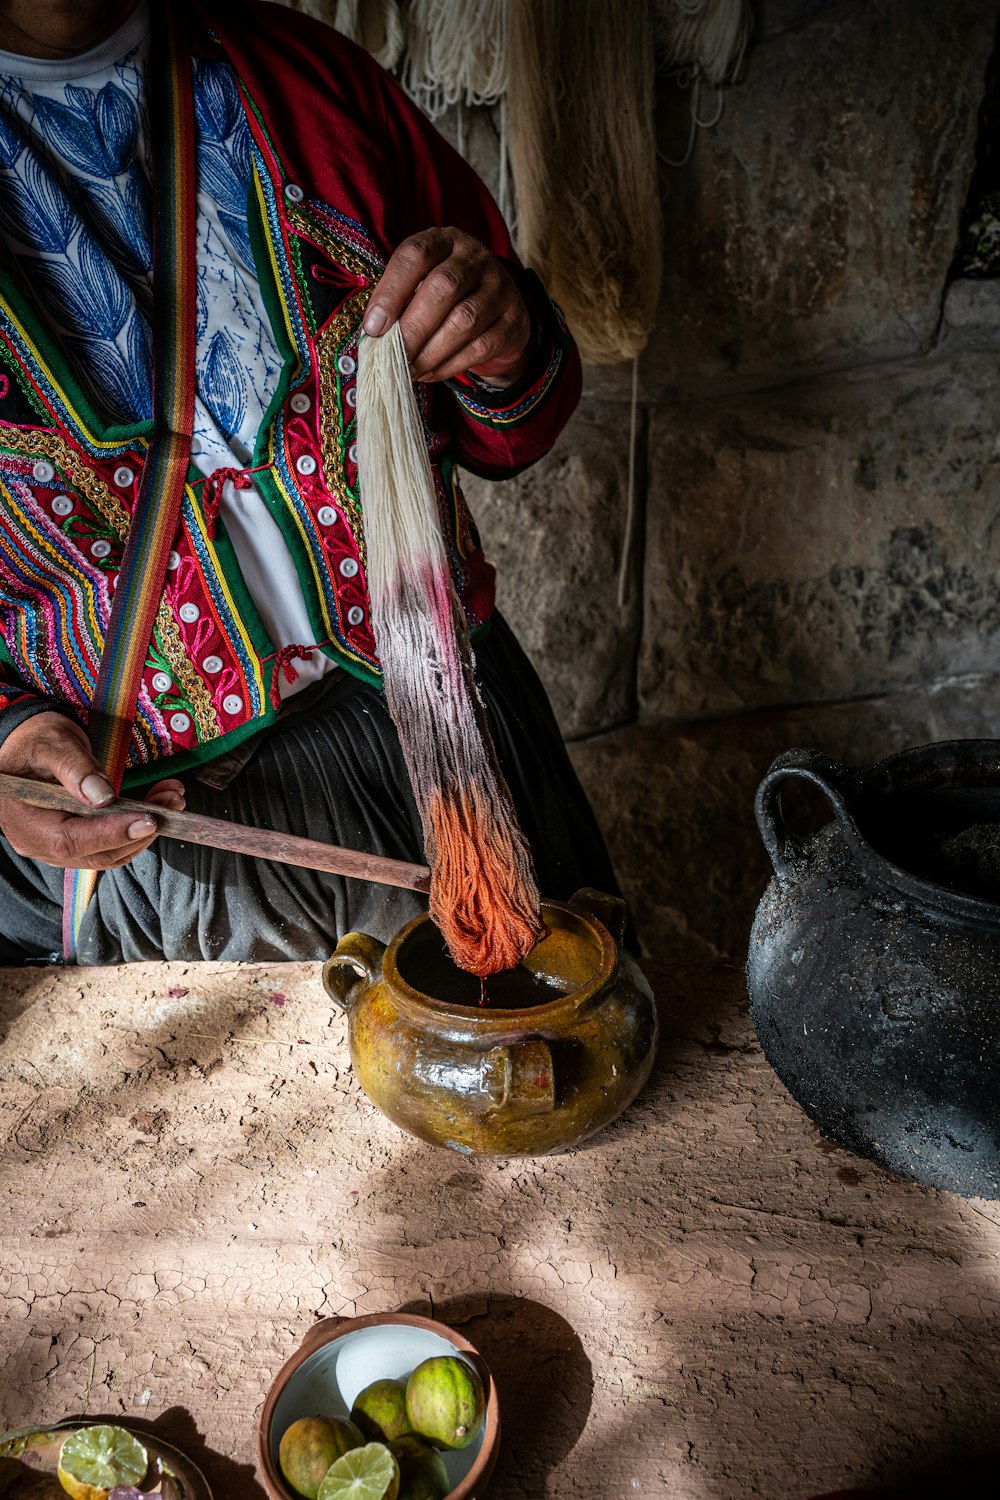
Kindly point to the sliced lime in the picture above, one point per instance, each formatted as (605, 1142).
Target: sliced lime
(369, 1473)
(94, 1460)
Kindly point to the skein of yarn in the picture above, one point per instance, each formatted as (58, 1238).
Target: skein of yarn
(583, 159)
(710, 35)
(377, 25)
(456, 53)
(484, 897)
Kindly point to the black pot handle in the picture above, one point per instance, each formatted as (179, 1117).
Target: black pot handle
(840, 786)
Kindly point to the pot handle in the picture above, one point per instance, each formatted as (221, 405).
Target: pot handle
(839, 785)
(611, 911)
(519, 1078)
(355, 963)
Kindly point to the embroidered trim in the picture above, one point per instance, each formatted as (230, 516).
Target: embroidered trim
(334, 433)
(61, 453)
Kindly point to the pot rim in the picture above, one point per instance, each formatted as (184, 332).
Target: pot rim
(494, 1019)
(880, 777)
(319, 1335)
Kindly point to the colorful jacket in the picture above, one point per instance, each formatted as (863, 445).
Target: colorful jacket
(345, 168)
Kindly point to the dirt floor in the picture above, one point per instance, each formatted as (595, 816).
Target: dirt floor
(707, 1302)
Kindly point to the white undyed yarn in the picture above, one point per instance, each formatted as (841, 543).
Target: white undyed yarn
(709, 35)
(456, 52)
(376, 25)
(583, 160)
(483, 892)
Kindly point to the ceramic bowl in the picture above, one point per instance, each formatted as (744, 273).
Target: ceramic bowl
(334, 1363)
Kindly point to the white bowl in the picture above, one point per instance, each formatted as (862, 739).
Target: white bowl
(335, 1362)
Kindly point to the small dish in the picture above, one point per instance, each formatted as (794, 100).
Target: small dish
(38, 1449)
(339, 1357)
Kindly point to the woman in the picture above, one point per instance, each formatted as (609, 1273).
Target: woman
(324, 201)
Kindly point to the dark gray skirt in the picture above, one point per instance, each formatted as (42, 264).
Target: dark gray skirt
(333, 772)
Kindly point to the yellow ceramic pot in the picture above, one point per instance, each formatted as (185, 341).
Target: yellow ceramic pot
(562, 1045)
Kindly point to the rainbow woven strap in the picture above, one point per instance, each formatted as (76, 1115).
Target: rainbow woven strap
(157, 511)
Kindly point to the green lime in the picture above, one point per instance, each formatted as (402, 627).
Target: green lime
(369, 1473)
(445, 1401)
(95, 1459)
(422, 1474)
(310, 1446)
(380, 1411)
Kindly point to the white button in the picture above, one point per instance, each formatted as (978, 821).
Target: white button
(355, 615)
(352, 396)
(62, 505)
(114, 581)
(161, 683)
(100, 549)
(346, 365)
(300, 401)
(189, 613)
(352, 453)
(349, 567)
(180, 723)
(306, 464)
(43, 471)
(326, 515)
(124, 477)
(293, 192)
(212, 664)
(232, 703)
(174, 561)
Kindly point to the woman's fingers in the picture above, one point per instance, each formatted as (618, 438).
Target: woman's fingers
(457, 306)
(168, 794)
(78, 843)
(52, 747)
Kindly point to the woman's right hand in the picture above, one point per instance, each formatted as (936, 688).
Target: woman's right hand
(52, 747)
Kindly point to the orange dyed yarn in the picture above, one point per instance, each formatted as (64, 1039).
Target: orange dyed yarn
(483, 896)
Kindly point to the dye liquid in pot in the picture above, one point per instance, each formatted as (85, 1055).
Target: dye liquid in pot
(950, 837)
(562, 961)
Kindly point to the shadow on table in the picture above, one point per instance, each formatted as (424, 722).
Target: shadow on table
(544, 1381)
(967, 1472)
(226, 1478)
(694, 1005)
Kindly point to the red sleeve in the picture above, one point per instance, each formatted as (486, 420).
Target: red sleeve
(344, 128)
(494, 432)
(19, 702)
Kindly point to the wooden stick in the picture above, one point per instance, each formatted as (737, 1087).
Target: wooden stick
(239, 838)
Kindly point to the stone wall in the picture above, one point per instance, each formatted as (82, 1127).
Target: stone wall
(814, 547)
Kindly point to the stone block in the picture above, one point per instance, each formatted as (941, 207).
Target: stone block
(555, 535)
(814, 226)
(823, 541)
(971, 315)
(676, 803)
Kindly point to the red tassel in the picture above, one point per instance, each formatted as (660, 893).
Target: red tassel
(283, 665)
(211, 495)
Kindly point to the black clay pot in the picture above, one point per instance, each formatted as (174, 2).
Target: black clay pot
(874, 967)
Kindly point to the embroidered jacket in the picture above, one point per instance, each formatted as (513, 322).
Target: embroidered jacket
(345, 167)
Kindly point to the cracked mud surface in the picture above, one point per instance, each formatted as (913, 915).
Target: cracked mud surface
(708, 1301)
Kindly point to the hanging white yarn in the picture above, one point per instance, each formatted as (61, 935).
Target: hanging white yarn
(456, 53)
(483, 892)
(709, 35)
(583, 160)
(376, 25)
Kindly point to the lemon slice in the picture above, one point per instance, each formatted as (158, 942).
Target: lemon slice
(369, 1473)
(96, 1459)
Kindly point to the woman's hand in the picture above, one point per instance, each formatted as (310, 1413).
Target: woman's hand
(458, 307)
(51, 747)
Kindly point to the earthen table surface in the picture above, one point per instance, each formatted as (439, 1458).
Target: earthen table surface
(708, 1301)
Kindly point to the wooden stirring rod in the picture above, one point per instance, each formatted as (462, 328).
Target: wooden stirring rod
(240, 838)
